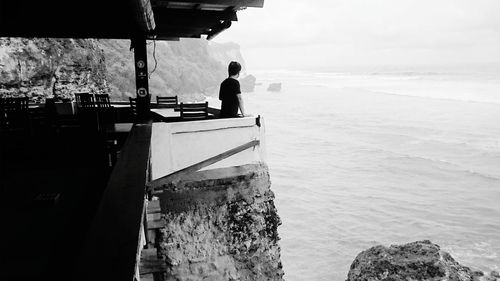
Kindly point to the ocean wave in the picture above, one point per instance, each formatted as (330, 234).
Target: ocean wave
(457, 167)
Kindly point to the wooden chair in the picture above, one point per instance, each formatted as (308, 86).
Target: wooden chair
(57, 122)
(133, 106)
(167, 102)
(14, 113)
(194, 111)
(85, 100)
(3, 115)
(106, 113)
(102, 101)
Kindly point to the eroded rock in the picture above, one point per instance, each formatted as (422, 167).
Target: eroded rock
(222, 225)
(421, 260)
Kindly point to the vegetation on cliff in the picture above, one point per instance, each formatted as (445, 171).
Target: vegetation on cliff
(40, 67)
(44, 67)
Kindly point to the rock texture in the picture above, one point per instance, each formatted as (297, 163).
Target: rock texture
(47, 67)
(421, 260)
(43, 67)
(222, 225)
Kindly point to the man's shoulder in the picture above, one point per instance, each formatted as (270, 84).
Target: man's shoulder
(230, 81)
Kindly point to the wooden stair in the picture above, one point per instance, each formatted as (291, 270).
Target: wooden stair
(152, 266)
(150, 263)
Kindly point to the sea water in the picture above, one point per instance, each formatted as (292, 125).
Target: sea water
(359, 159)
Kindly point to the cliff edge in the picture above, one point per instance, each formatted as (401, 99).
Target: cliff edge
(221, 225)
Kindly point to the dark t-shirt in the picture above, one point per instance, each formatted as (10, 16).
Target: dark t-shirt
(229, 88)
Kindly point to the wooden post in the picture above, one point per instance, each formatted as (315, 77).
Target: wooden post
(141, 77)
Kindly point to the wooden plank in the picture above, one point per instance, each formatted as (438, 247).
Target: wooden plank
(150, 263)
(111, 248)
(157, 184)
(192, 17)
(153, 207)
(153, 217)
(151, 235)
(156, 224)
(235, 3)
(214, 111)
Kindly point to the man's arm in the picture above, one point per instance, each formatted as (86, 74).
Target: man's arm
(241, 104)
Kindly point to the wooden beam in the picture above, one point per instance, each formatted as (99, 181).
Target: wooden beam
(144, 15)
(174, 177)
(141, 77)
(156, 224)
(216, 30)
(186, 30)
(236, 3)
(169, 16)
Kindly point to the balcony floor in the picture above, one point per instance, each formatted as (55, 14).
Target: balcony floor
(41, 240)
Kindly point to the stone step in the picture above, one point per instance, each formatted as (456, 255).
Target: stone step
(150, 263)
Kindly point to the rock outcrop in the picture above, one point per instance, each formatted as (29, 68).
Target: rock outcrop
(421, 260)
(274, 87)
(47, 67)
(221, 225)
(247, 83)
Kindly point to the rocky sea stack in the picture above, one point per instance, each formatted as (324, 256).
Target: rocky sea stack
(416, 261)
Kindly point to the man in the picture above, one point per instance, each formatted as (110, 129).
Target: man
(230, 93)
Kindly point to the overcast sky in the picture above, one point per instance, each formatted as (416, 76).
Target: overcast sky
(297, 34)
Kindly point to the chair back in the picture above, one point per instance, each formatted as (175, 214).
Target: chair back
(102, 101)
(15, 104)
(84, 100)
(194, 111)
(133, 106)
(14, 112)
(167, 102)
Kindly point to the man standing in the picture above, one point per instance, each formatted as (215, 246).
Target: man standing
(230, 93)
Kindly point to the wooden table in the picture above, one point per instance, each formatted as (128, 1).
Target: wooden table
(120, 105)
(166, 114)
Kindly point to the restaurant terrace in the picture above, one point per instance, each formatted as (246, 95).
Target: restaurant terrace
(77, 177)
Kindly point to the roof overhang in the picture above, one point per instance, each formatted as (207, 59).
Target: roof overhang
(119, 19)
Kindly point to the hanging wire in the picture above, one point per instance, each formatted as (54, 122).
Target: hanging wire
(154, 57)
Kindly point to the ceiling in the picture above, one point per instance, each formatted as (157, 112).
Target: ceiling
(119, 19)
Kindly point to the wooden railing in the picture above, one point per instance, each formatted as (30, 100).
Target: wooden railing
(113, 241)
(113, 246)
(156, 185)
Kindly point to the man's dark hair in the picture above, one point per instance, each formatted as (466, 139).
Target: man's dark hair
(233, 68)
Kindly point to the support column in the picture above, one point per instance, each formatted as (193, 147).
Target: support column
(141, 77)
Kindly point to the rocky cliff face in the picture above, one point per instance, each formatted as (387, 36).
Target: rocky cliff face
(417, 261)
(224, 53)
(40, 68)
(222, 225)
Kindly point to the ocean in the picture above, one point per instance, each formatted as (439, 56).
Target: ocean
(361, 158)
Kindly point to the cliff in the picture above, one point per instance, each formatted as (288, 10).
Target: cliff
(418, 261)
(189, 68)
(42, 67)
(221, 225)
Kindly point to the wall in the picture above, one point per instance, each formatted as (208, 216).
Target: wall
(177, 145)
